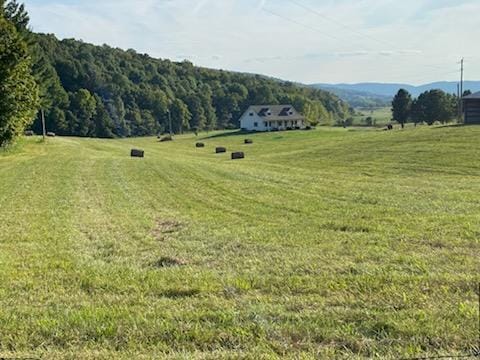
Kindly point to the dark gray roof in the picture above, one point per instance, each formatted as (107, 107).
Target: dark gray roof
(472, 96)
(277, 112)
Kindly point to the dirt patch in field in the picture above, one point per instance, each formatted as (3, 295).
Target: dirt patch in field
(166, 261)
(180, 293)
(346, 228)
(165, 228)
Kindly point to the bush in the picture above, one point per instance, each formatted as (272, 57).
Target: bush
(369, 121)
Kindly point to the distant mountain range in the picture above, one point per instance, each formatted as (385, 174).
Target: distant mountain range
(357, 98)
(389, 90)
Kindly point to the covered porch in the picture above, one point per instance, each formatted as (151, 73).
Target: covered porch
(284, 124)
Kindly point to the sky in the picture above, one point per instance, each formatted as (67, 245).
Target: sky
(308, 41)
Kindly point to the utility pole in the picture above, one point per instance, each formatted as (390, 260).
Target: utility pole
(461, 89)
(44, 128)
(459, 99)
(169, 122)
(461, 79)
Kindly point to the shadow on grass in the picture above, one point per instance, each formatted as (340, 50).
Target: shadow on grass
(180, 293)
(228, 134)
(454, 126)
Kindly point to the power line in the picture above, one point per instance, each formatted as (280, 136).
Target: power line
(438, 67)
(301, 24)
(334, 21)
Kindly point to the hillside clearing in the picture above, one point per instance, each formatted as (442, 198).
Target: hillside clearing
(329, 243)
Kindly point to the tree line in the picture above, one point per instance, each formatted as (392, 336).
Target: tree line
(19, 92)
(430, 107)
(100, 91)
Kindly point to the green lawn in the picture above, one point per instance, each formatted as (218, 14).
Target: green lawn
(322, 244)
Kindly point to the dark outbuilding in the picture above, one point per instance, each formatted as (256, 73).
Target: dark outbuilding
(471, 108)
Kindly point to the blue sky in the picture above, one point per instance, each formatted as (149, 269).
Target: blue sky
(411, 41)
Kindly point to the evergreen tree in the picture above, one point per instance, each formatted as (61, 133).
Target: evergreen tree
(402, 107)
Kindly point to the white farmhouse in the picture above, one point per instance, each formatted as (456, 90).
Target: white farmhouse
(271, 117)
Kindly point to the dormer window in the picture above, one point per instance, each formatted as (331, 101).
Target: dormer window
(251, 114)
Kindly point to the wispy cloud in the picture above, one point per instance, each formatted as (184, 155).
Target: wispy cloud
(366, 40)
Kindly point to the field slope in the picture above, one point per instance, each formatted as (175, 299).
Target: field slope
(321, 244)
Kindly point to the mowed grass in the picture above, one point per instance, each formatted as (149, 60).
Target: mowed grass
(322, 244)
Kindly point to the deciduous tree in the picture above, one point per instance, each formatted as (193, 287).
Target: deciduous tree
(18, 90)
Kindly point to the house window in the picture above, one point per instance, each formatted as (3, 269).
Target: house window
(255, 124)
(265, 124)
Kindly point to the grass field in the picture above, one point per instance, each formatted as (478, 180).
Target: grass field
(381, 116)
(322, 244)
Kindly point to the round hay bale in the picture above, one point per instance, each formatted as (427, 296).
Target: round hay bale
(238, 155)
(29, 133)
(200, 145)
(220, 150)
(248, 141)
(137, 153)
(51, 134)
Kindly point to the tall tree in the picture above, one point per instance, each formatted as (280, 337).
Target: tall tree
(402, 106)
(18, 89)
(180, 113)
(434, 105)
(84, 106)
(15, 13)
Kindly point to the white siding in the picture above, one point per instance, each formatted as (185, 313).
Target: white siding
(248, 122)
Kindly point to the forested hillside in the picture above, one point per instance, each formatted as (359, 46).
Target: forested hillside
(100, 91)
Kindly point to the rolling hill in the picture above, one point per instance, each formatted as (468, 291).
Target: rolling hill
(100, 91)
(358, 99)
(389, 90)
